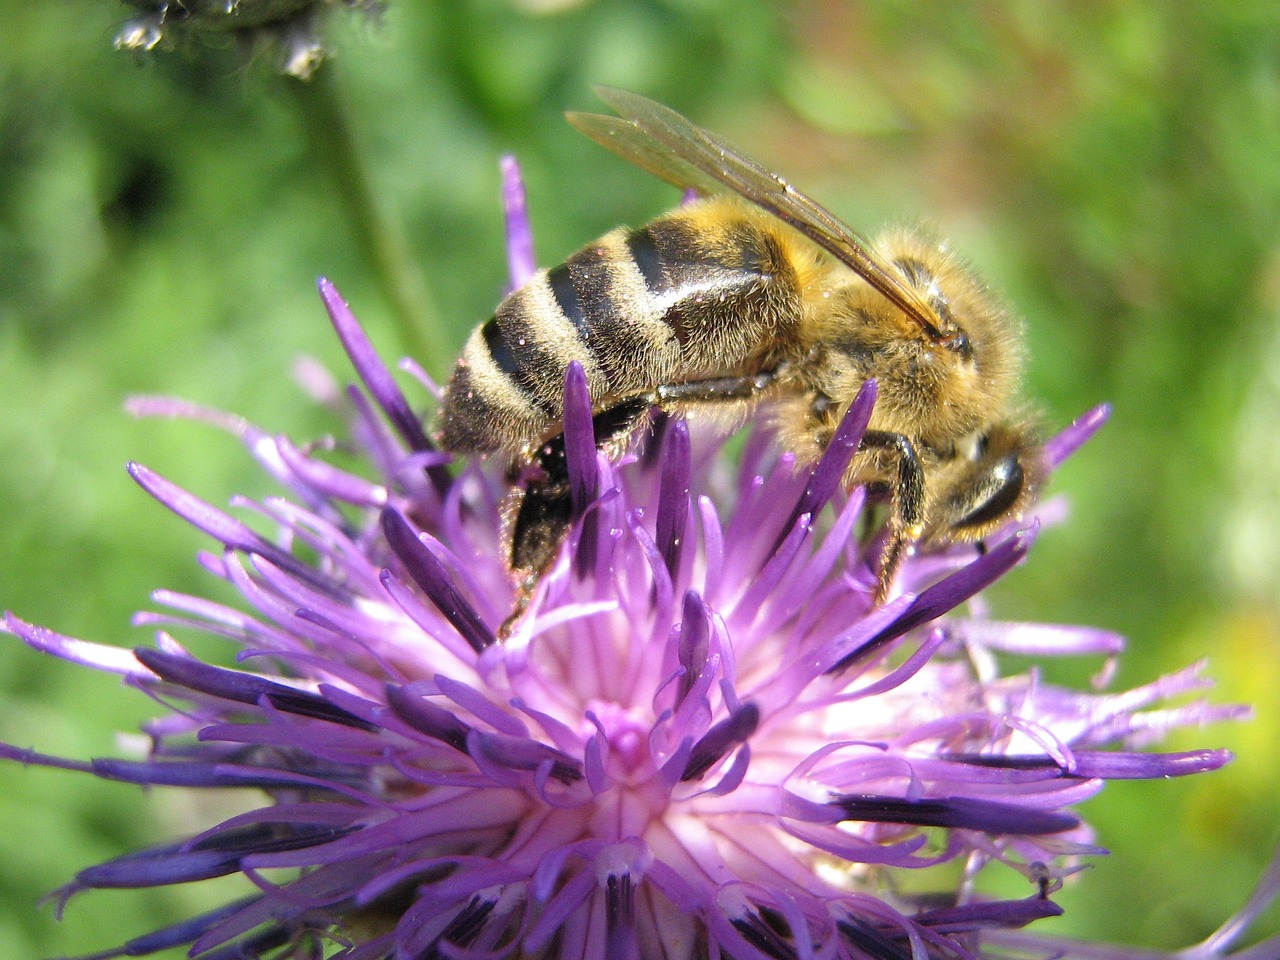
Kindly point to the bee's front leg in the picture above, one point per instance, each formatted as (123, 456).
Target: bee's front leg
(907, 507)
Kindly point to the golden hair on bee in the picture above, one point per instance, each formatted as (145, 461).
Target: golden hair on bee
(933, 395)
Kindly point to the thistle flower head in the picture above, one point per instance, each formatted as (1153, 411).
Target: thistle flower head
(703, 740)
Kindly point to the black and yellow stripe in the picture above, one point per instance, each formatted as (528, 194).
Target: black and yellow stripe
(675, 300)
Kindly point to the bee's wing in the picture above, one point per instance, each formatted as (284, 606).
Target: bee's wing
(661, 141)
(632, 143)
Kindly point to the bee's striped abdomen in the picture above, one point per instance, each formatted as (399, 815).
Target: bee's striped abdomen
(694, 294)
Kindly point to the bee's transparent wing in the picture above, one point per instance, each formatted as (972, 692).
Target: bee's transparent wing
(661, 141)
(629, 142)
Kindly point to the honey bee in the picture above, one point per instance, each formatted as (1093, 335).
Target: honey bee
(753, 298)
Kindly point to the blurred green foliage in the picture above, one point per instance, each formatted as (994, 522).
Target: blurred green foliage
(1113, 167)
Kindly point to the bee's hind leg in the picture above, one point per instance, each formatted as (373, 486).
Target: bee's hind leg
(539, 515)
(542, 510)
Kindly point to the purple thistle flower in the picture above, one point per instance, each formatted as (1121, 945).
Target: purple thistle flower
(702, 741)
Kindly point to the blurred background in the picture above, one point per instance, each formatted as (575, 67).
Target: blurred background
(1112, 167)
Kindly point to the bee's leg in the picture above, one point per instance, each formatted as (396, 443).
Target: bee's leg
(744, 387)
(543, 511)
(906, 514)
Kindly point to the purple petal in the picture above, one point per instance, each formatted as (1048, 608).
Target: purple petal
(520, 259)
(180, 933)
(203, 516)
(1108, 765)
(1039, 639)
(28, 757)
(594, 752)
(243, 687)
(673, 494)
(480, 706)
(695, 634)
(949, 593)
(464, 929)
(375, 375)
(581, 465)
(827, 475)
(371, 433)
(579, 439)
(519, 753)
(568, 898)
(274, 920)
(248, 827)
(221, 526)
(1073, 437)
(158, 867)
(95, 655)
(329, 480)
(429, 574)
(1260, 899)
(764, 586)
(170, 773)
(426, 616)
(720, 739)
(620, 918)
(734, 775)
(425, 717)
(855, 849)
(712, 546)
(256, 945)
(661, 595)
(763, 937)
(972, 917)
(959, 813)
(150, 405)
(870, 941)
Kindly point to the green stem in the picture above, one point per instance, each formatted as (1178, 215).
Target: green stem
(378, 235)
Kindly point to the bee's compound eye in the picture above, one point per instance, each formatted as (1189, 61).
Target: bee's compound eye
(994, 494)
(958, 342)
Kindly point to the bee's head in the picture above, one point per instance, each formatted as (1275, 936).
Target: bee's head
(939, 381)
